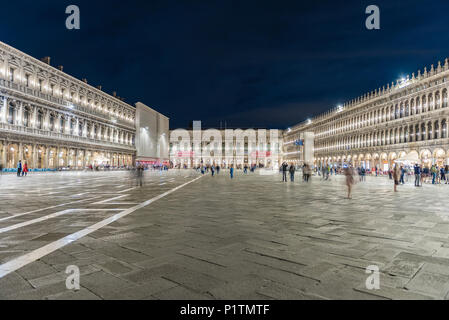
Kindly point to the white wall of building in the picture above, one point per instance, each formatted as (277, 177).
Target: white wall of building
(152, 133)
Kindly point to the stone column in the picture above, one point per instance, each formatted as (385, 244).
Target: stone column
(67, 125)
(34, 125)
(67, 157)
(76, 158)
(4, 152)
(76, 129)
(34, 156)
(46, 157)
(4, 111)
(58, 157)
(19, 118)
(20, 153)
(47, 120)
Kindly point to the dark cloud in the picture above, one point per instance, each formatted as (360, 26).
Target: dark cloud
(255, 63)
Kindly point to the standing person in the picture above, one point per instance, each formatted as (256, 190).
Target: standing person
(25, 169)
(245, 169)
(218, 169)
(396, 174)
(231, 171)
(292, 173)
(442, 174)
(349, 175)
(446, 173)
(19, 168)
(212, 170)
(284, 171)
(362, 173)
(307, 172)
(433, 171)
(401, 180)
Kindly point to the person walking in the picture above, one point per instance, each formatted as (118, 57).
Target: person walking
(231, 171)
(212, 170)
(284, 171)
(349, 175)
(245, 169)
(292, 173)
(218, 169)
(433, 172)
(362, 173)
(19, 168)
(396, 176)
(446, 173)
(25, 169)
(307, 172)
(401, 180)
(442, 174)
(417, 171)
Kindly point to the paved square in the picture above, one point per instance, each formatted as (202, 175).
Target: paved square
(253, 237)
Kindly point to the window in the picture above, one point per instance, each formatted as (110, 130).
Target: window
(52, 87)
(39, 120)
(11, 74)
(61, 125)
(11, 113)
(40, 85)
(27, 80)
(26, 117)
(52, 122)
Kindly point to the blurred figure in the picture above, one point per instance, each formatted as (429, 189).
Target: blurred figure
(139, 175)
(292, 173)
(396, 176)
(307, 172)
(231, 171)
(349, 174)
(417, 170)
(212, 170)
(25, 169)
(19, 168)
(284, 169)
(402, 171)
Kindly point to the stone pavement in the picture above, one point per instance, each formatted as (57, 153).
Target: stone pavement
(250, 238)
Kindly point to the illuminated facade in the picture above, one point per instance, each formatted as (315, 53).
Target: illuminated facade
(192, 148)
(52, 120)
(407, 120)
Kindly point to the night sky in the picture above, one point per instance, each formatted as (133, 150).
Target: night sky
(250, 63)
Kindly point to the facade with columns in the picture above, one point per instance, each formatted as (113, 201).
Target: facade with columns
(52, 120)
(225, 147)
(407, 119)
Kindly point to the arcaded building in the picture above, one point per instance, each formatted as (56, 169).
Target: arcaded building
(50, 119)
(405, 120)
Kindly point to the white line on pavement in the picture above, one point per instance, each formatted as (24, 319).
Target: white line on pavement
(49, 216)
(127, 190)
(111, 199)
(34, 255)
(52, 207)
